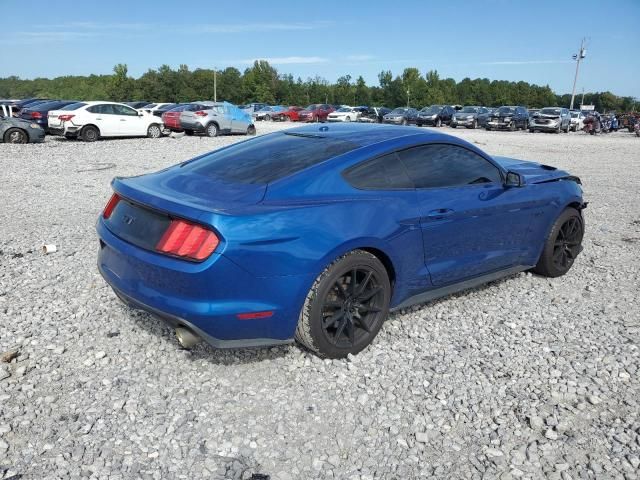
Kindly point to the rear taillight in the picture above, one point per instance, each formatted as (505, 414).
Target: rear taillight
(111, 204)
(201, 113)
(188, 240)
(65, 118)
(36, 115)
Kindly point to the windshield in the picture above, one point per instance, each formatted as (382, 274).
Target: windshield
(311, 107)
(506, 110)
(398, 111)
(73, 106)
(550, 111)
(344, 109)
(269, 157)
(432, 109)
(469, 110)
(575, 114)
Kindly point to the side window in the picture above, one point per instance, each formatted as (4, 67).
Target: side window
(94, 109)
(382, 173)
(442, 165)
(124, 110)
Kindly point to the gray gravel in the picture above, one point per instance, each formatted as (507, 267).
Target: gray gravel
(524, 378)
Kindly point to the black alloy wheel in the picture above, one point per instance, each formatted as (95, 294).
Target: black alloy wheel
(563, 244)
(346, 306)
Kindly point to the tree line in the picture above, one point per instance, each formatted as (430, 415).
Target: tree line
(261, 82)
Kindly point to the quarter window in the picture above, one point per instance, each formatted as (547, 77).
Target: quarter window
(442, 165)
(382, 173)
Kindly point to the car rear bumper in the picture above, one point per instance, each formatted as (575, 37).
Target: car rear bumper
(206, 297)
(64, 130)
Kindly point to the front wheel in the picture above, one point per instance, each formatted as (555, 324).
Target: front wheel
(154, 131)
(251, 130)
(562, 246)
(15, 135)
(438, 123)
(346, 306)
(267, 118)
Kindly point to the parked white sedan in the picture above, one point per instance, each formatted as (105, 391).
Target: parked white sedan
(577, 121)
(93, 120)
(344, 114)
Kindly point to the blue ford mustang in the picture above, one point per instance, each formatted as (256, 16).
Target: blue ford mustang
(313, 234)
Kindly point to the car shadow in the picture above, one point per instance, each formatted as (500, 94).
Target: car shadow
(202, 351)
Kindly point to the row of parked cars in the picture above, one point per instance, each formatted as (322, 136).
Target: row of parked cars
(316, 112)
(29, 120)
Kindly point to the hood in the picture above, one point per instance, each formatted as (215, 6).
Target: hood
(465, 114)
(17, 121)
(531, 171)
(180, 191)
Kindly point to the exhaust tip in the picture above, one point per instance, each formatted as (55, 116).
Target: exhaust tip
(186, 338)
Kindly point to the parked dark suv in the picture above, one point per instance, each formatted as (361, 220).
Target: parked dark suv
(509, 118)
(436, 115)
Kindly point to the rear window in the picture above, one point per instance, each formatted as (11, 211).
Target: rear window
(269, 157)
(74, 106)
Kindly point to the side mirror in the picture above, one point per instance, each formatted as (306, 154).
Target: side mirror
(514, 180)
(140, 114)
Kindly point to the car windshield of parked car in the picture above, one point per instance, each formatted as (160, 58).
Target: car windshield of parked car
(74, 106)
(506, 110)
(345, 109)
(432, 109)
(550, 111)
(398, 111)
(575, 114)
(311, 107)
(269, 157)
(469, 110)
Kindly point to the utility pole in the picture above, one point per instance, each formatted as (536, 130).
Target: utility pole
(582, 101)
(215, 85)
(578, 58)
(408, 96)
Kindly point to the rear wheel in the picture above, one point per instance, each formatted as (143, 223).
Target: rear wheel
(562, 246)
(346, 306)
(212, 130)
(267, 118)
(512, 127)
(404, 122)
(475, 124)
(89, 134)
(154, 131)
(15, 135)
(251, 130)
(438, 123)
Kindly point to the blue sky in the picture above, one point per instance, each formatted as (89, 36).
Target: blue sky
(498, 39)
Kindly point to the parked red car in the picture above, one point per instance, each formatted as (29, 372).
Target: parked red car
(315, 113)
(290, 115)
(171, 118)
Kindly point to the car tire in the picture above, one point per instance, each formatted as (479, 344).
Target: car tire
(154, 131)
(404, 122)
(89, 134)
(347, 119)
(453, 126)
(267, 118)
(251, 130)
(15, 136)
(562, 246)
(189, 133)
(488, 128)
(512, 127)
(474, 126)
(438, 123)
(211, 130)
(331, 323)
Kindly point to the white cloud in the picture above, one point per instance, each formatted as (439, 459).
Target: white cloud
(258, 27)
(359, 58)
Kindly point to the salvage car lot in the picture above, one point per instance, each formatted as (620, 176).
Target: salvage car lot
(528, 376)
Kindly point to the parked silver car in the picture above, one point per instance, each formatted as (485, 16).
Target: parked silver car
(18, 130)
(216, 118)
(551, 119)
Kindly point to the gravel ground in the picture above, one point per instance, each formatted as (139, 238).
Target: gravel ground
(525, 378)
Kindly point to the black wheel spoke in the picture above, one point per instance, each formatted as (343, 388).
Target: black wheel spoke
(333, 304)
(329, 322)
(369, 309)
(369, 294)
(354, 281)
(341, 329)
(364, 283)
(363, 323)
(352, 331)
(341, 290)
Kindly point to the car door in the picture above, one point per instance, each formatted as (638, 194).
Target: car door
(238, 120)
(103, 116)
(130, 121)
(471, 223)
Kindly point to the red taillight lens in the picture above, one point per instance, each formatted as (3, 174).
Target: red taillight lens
(36, 115)
(66, 118)
(111, 204)
(201, 113)
(188, 240)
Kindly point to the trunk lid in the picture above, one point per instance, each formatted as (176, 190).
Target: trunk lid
(531, 171)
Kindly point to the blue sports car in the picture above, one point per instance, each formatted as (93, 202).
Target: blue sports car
(313, 234)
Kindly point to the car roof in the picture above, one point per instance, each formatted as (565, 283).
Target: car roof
(365, 134)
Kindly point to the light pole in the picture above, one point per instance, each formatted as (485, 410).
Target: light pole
(578, 58)
(215, 85)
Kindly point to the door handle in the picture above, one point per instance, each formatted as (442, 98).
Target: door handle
(439, 213)
(98, 118)
(123, 119)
